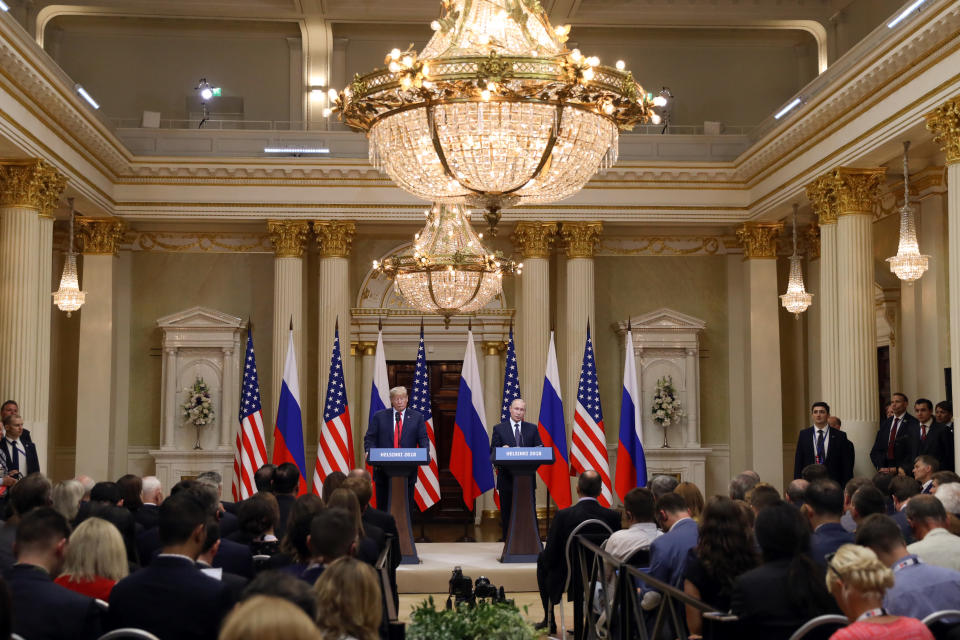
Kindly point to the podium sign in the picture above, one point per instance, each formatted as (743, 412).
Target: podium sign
(523, 536)
(400, 465)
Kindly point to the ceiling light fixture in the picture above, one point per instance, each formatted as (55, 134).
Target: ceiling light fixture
(905, 13)
(787, 109)
(295, 150)
(86, 96)
(796, 300)
(909, 264)
(68, 297)
(3, 6)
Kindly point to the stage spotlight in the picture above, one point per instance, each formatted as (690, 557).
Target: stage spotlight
(3, 6)
(207, 92)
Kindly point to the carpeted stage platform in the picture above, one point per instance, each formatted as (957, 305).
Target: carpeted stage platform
(437, 560)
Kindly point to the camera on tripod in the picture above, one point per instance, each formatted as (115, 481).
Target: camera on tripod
(464, 590)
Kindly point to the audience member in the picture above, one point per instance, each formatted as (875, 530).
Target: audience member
(348, 601)
(762, 496)
(371, 540)
(935, 545)
(795, 490)
(823, 507)
(902, 489)
(881, 480)
(19, 451)
(820, 444)
(944, 477)
(923, 469)
(725, 549)
(42, 609)
(814, 472)
(330, 484)
(235, 583)
(851, 457)
(848, 490)
(172, 598)
(867, 501)
(741, 484)
(284, 586)
(151, 496)
(259, 516)
(693, 497)
(228, 520)
(949, 495)
(131, 488)
(263, 478)
(858, 581)
(286, 487)
(32, 492)
(641, 531)
(295, 553)
(88, 484)
(919, 589)
(96, 559)
(66, 498)
(776, 598)
(943, 413)
(669, 552)
(898, 439)
(267, 618)
(936, 439)
(106, 502)
(333, 534)
(663, 484)
(359, 481)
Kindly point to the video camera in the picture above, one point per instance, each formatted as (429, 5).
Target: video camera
(464, 590)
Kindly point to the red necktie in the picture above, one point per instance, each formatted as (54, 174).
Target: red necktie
(397, 430)
(923, 432)
(893, 437)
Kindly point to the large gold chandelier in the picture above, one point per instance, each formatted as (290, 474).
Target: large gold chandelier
(909, 264)
(495, 111)
(449, 270)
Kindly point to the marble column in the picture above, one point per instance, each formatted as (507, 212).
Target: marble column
(289, 239)
(944, 122)
(492, 390)
(580, 240)
(823, 201)
(533, 239)
(96, 422)
(857, 402)
(814, 323)
(764, 402)
(335, 240)
(29, 192)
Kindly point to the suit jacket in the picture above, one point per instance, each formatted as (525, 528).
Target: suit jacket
(236, 584)
(905, 446)
(171, 599)
(388, 524)
(900, 517)
(229, 523)
(503, 437)
(28, 463)
(43, 610)
(668, 553)
(380, 432)
(560, 529)
(148, 516)
(827, 538)
(939, 444)
(231, 556)
(835, 461)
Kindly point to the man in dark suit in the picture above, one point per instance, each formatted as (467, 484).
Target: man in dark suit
(819, 444)
(11, 407)
(172, 598)
(898, 439)
(851, 453)
(396, 427)
(148, 515)
(902, 490)
(235, 582)
(552, 563)
(513, 432)
(823, 507)
(923, 469)
(41, 608)
(668, 553)
(935, 439)
(19, 453)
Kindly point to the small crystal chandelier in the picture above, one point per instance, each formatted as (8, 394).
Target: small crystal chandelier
(68, 297)
(449, 271)
(495, 111)
(796, 299)
(909, 264)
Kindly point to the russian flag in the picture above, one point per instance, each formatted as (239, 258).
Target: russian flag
(470, 451)
(288, 432)
(379, 395)
(631, 462)
(553, 433)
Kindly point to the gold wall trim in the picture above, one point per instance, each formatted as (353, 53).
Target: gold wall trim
(193, 242)
(662, 246)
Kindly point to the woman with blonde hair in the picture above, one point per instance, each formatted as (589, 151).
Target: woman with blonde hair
(66, 498)
(268, 618)
(96, 559)
(693, 497)
(858, 580)
(349, 606)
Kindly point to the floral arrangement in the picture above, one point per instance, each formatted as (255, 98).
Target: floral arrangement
(485, 621)
(666, 408)
(198, 409)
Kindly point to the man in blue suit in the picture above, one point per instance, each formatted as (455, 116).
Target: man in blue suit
(668, 553)
(822, 444)
(823, 507)
(395, 428)
(513, 432)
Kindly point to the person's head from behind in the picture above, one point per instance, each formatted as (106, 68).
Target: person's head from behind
(212, 479)
(867, 501)
(902, 488)
(853, 484)
(881, 480)
(949, 495)
(283, 585)
(944, 477)
(31, 492)
(814, 472)
(263, 477)
(183, 521)
(882, 535)
(348, 600)
(639, 505)
(925, 513)
(671, 508)
(741, 484)
(131, 488)
(152, 490)
(693, 497)
(96, 550)
(589, 484)
(726, 543)
(782, 532)
(66, 498)
(41, 539)
(796, 490)
(360, 487)
(855, 576)
(762, 496)
(346, 500)
(333, 534)
(259, 514)
(286, 479)
(268, 618)
(106, 493)
(823, 502)
(662, 484)
(294, 542)
(835, 422)
(331, 483)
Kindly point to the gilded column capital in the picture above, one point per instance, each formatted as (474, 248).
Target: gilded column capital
(534, 238)
(367, 348)
(759, 239)
(35, 184)
(334, 237)
(581, 238)
(823, 199)
(812, 237)
(857, 190)
(492, 348)
(944, 123)
(100, 236)
(288, 237)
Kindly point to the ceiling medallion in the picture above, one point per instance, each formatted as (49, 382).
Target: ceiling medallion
(449, 270)
(909, 264)
(495, 111)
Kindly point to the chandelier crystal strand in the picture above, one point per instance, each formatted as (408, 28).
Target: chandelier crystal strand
(68, 297)
(909, 264)
(796, 300)
(449, 270)
(495, 111)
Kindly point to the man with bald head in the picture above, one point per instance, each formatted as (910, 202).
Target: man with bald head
(512, 432)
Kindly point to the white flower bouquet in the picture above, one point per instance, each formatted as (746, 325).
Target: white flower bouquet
(198, 408)
(666, 409)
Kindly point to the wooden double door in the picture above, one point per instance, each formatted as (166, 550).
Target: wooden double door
(444, 386)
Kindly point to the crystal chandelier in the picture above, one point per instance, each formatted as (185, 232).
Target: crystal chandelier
(68, 297)
(495, 111)
(796, 299)
(449, 271)
(909, 264)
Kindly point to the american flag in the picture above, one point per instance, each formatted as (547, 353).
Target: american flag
(427, 489)
(511, 379)
(589, 450)
(251, 447)
(335, 449)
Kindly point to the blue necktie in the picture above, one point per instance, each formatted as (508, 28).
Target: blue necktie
(516, 434)
(820, 453)
(14, 456)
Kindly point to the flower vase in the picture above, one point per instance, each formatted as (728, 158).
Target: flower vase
(665, 445)
(196, 445)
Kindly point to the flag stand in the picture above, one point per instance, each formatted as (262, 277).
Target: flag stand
(466, 534)
(423, 537)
